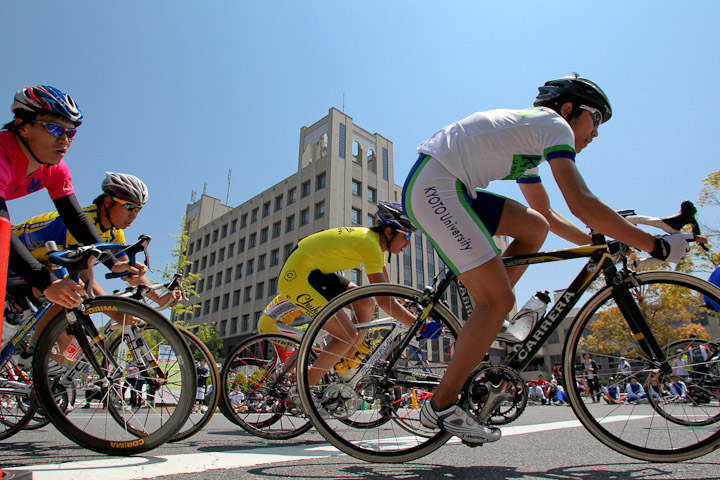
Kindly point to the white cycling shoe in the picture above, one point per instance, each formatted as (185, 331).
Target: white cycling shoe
(458, 422)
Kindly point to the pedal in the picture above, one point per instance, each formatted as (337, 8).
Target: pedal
(472, 445)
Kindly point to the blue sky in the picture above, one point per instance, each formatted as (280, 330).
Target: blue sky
(178, 93)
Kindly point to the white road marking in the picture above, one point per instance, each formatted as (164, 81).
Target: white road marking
(124, 468)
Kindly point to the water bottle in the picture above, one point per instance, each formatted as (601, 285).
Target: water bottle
(524, 320)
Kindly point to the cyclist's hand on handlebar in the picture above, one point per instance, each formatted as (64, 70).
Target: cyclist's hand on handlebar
(170, 299)
(65, 293)
(124, 266)
(672, 248)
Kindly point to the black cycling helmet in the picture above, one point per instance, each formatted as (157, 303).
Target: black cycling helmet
(391, 215)
(573, 88)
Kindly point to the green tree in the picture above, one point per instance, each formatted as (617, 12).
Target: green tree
(181, 265)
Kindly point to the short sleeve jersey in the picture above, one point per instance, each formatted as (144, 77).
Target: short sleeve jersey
(13, 169)
(49, 226)
(501, 145)
(343, 248)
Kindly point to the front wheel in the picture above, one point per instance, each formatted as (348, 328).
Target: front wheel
(112, 421)
(372, 410)
(646, 421)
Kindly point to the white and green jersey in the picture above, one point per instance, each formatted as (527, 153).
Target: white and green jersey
(501, 145)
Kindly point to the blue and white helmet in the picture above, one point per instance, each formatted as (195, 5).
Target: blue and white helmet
(45, 99)
(391, 215)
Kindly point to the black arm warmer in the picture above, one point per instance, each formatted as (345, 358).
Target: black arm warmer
(78, 223)
(21, 261)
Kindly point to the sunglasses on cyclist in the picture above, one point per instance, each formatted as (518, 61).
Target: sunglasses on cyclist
(596, 115)
(406, 233)
(128, 205)
(57, 130)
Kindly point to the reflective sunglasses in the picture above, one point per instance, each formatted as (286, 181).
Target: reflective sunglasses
(128, 205)
(596, 115)
(406, 233)
(57, 130)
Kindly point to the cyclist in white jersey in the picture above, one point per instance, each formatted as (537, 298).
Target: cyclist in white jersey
(443, 195)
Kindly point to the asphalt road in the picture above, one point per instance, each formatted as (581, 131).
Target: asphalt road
(544, 443)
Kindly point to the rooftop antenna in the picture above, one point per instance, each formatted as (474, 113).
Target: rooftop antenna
(227, 199)
(193, 196)
(343, 102)
(205, 188)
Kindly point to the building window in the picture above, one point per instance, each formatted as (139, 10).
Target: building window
(341, 147)
(371, 195)
(236, 297)
(290, 223)
(233, 325)
(243, 220)
(319, 210)
(278, 202)
(356, 188)
(201, 285)
(226, 301)
(238, 271)
(250, 266)
(206, 307)
(223, 328)
(304, 217)
(216, 304)
(253, 240)
(212, 259)
(228, 275)
(261, 262)
(241, 245)
(221, 254)
(264, 235)
(198, 245)
(203, 263)
(245, 323)
(288, 250)
(223, 231)
(277, 229)
(292, 196)
(355, 216)
(207, 240)
(274, 257)
(190, 248)
(273, 287)
(196, 264)
(266, 209)
(248, 294)
(218, 279)
(305, 189)
(209, 281)
(355, 276)
(215, 235)
(320, 181)
(255, 215)
(231, 250)
(233, 226)
(260, 291)
(370, 220)
(385, 164)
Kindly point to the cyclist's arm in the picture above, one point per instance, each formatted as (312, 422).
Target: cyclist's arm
(399, 312)
(592, 211)
(538, 200)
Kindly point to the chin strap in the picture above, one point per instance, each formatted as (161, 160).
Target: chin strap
(22, 140)
(388, 243)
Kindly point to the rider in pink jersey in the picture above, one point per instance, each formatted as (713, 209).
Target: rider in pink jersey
(32, 148)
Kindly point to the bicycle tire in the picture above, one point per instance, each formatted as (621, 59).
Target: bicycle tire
(197, 420)
(257, 362)
(673, 304)
(97, 429)
(16, 407)
(388, 442)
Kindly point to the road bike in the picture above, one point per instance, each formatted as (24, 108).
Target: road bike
(262, 369)
(639, 315)
(72, 356)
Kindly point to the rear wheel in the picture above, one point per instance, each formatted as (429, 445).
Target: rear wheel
(255, 381)
(111, 423)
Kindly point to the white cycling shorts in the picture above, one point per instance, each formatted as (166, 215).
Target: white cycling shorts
(460, 226)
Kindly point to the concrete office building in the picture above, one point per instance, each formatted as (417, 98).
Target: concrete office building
(343, 171)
